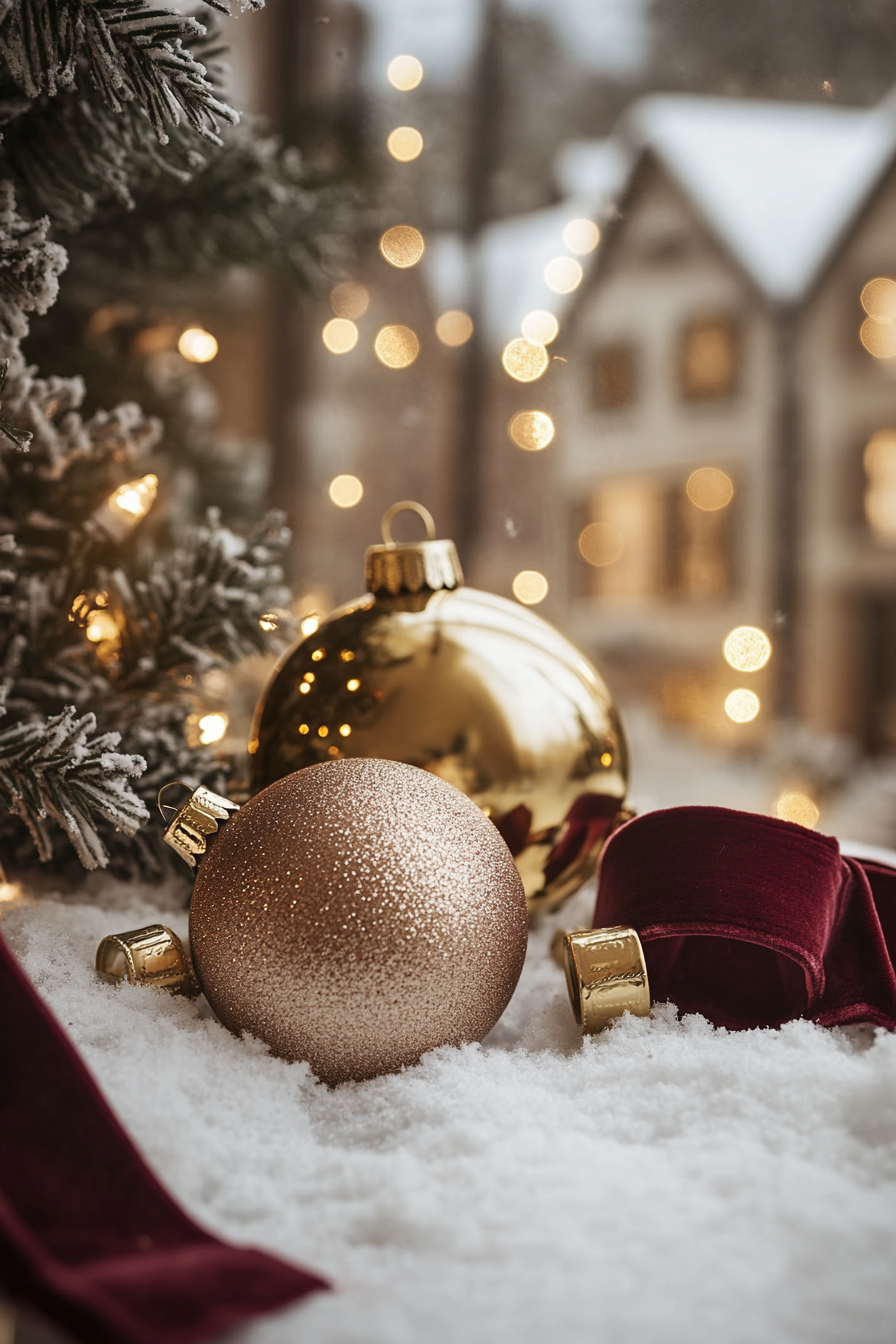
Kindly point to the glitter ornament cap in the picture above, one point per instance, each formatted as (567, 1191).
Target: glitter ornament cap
(357, 914)
(411, 569)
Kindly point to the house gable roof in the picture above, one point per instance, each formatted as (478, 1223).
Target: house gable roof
(779, 184)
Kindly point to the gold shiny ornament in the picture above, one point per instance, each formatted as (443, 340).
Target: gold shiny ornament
(153, 956)
(357, 914)
(606, 976)
(468, 686)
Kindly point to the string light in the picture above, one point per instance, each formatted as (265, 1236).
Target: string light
(405, 144)
(345, 492)
(563, 275)
(345, 730)
(397, 347)
(349, 299)
(197, 345)
(541, 327)
(524, 360)
(102, 627)
(340, 335)
(402, 246)
(581, 236)
(531, 430)
(121, 512)
(530, 587)
(454, 327)
(353, 684)
(212, 728)
(742, 705)
(404, 73)
(747, 648)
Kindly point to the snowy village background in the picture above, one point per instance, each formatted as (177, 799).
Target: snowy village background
(633, 343)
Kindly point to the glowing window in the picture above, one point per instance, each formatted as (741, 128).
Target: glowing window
(709, 359)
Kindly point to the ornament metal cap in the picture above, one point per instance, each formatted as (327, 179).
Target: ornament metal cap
(153, 956)
(194, 821)
(411, 568)
(606, 976)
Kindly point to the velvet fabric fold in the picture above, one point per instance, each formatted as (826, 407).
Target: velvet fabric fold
(88, 1236)
(753, 921)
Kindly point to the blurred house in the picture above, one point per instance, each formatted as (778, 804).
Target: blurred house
(726, 414)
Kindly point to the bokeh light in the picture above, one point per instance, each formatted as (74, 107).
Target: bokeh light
(879, 299)
(402, 245)
(137, 497)
(710, 489)
(742, 705)
(601, 544)
(212, 728)
(345, 492)
(581, 236)
(197, 345)
(101, 625)
(540, 327)
(530, 587)
(349, 299)
(563, 275)
(404, 73)
(405, 144)
(880, 473)
(454, 327)
(747, 648)
(878, 338)
(396, 347)
(310, 623)
(797, 807)
(531, 430)
(524, 360)
(339, 335)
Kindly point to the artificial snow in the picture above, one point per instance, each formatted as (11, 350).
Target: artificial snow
(662, 1182)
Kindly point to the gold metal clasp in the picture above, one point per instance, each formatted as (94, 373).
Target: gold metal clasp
(153, 956)
(606, 976)
(194, 821)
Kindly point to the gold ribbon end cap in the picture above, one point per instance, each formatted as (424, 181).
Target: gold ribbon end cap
(606, 976)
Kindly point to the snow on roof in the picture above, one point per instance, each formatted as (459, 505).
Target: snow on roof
(779, 183)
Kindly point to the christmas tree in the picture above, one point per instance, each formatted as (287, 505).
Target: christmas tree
(120, 159)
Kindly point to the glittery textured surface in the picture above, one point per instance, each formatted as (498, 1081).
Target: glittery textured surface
(357, 914)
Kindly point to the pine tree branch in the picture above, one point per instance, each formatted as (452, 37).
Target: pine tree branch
(57, 769)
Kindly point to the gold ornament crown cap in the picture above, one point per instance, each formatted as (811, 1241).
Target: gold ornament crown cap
(194, 821)
(411, 568)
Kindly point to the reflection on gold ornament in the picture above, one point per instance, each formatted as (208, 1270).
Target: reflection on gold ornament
(469, 686)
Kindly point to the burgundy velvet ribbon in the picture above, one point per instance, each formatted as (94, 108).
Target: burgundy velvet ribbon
(88, 1236)
(753, 921)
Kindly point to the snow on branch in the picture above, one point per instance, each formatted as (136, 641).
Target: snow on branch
(30, 266)
(57, 769)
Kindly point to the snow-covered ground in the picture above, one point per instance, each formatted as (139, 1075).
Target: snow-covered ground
(662, 1182)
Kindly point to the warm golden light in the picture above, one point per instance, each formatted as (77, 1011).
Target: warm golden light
(710, 489)
(212, 728)
(530, 587)
(347, 656)
(524, 360)
(304, 688)
(10, 892)
(747, 648)
(339, 335)
(581, 236)
(563, 275)
(345, 730)
(349, 299)
(137, 497)
(353, 684)
(878, 338)
(323, 732)
(318, 655)
(197, 345)
(540, 327)
(309, 677)
(606, 759)
(396, 347)
(531, 430)
(402, 246)
(878, 298)
(101, 626)
(797, 807)
(742, 705)
(454, 327)
(880, 494)
(345, 492)
(601, 544)
(304, 729)
(309, 625)
(405, 144)
(269, 621)
(404, 73)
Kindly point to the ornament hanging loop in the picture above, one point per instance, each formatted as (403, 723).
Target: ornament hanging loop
(406, 506)
(165, 808)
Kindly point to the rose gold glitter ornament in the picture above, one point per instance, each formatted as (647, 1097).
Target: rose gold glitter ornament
(357, 914)
(469, 686)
